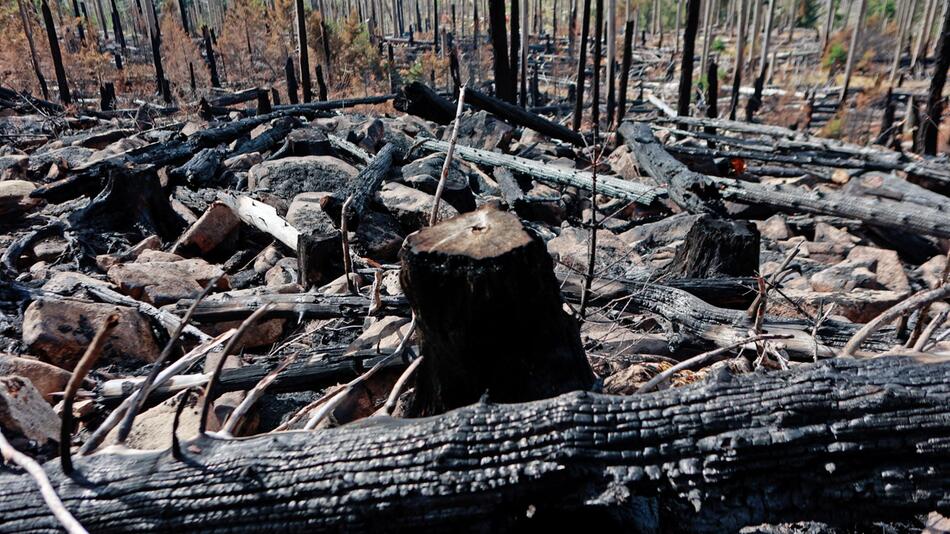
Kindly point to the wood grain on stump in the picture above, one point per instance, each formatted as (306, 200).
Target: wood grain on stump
(489, 315)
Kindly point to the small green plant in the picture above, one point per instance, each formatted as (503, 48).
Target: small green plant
(836, 56)
(718, 45)
(416, 72)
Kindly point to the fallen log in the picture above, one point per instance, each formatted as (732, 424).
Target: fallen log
(693, 191)
(227, 307)
(815, 443)
(606, 185)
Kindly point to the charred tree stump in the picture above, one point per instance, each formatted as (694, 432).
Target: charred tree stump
(291, 81)
(489, 314)
(321, 84)
(712, 94)
(57, 56)
(886, 135)
(107, 96)
(717, 248)
(263, 102)
(303, 52)
(209, 53)
(755, 101)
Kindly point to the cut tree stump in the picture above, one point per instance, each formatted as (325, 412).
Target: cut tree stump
(817, 443)
(716, 248)
(489, 315)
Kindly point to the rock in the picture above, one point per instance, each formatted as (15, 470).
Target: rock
(306, 215)
(858, 305)
(889, 269)
(148, 256)
(383, 334)
(283, 273)
(118, 147)
(630, 379)
(68, 282)
(152, 429)
(481, 130)
(845, 276)
(775, 228)
(15, 198)
(260, 334)
(242, 162)
(378, 237)
(13, 167)
(571, 248)
(67, 157)
(659, 233)
(825, 233)
(23, 411)
(411, 207)
(166, 282)
(370, 135)
(289, 177)
(622, 163)
(50, 249)
(152, 242)
(931, 271)
(46, 378)
(267, 259)
(58, 331)
(214, 226)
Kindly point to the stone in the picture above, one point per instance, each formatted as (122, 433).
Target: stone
(662, 232)
(825, 233)
(47, 379)
(383, 334)
(858, 305)
(411, 207)
(845, 276)
(889, 269)
(68, 283)
(214, 226)
(378, 237)
(166, 282)
(481, 130)
(149, 256)
(58, 331)
(931, 271)
(288, 177)
(370, 135)
(572, 249)
(152, 428)
(242, 162)
(13, 167)
(774, 228)
(152, 242)
(283, 273)
(307, 216)
(15, 198)
(23, 411)
(50, 249)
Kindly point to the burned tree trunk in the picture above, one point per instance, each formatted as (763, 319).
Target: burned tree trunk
(56, 55)
(931, 120)
(291, 81)
(717, 248)
(303, 51)
(209, 52)
(504, 84)
(689, 49)
(581, 67)
(817, 441)
(625, 69)
(489, 314)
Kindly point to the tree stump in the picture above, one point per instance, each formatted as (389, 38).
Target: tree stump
(489, 315)
(716, 248)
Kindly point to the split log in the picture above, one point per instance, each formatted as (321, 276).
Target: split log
(263, 217)
(813, 444)
(606, 185)
(227, 307)
(489, 314)
(362, 188)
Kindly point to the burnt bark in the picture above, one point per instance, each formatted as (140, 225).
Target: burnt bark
(489, 315)
(504, 83)
(816, 443)
(935, 102)
(689, 51)
(57, 56)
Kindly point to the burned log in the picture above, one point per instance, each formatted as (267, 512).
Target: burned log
(522, 117)
(816, 443)
(489, 314)
(226, 307)
(419, 99)
(362, 189)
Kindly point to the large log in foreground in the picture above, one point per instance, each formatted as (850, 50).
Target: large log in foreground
(816, 443)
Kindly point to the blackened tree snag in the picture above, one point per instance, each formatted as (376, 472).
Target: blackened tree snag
(582, 67)
(303, 52)
(712, 94)
(291, 81)
(184, 16)
(504, 84)
(625, 70)
(321, 84)
(716, 248)
(689, 46)
(56, 55)
(209, 57)
(515, 53)
(489, 314)
(935, 104)
(595, 79)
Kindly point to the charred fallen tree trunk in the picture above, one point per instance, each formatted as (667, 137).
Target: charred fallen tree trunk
(816, 443)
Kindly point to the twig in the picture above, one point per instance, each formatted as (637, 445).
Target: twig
(434, 216)
(705, 358)
(935, 323)
(176, 444)
(335, 399)
(773, 279)
(822, 317)
(35, 470)
(344, 234)
(227, 430)
(79, 374)
(232, 344)
(398, 387)
(179, 365)
(126, 426)
(898, 310)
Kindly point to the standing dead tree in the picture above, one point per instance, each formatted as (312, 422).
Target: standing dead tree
(935, 101)
(689, 49)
